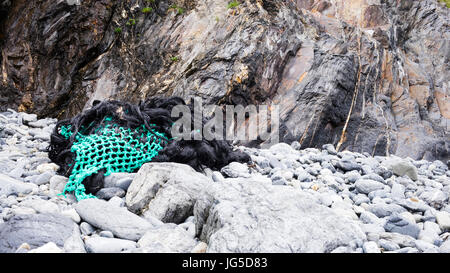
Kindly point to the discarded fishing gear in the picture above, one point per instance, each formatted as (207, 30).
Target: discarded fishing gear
(115, 136)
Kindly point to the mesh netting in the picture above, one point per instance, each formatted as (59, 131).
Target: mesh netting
(110, 148)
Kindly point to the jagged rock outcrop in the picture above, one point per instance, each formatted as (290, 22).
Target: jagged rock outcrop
(366, 75)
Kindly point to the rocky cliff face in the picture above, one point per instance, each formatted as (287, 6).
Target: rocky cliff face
(365, 75)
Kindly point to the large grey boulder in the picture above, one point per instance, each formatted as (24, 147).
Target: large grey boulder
(251, 215)
(106, 216)
(167, 191)
(35, 230)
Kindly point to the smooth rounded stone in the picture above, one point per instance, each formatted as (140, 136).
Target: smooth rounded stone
(217, 176)
(371, 247)
(414, 204)
(43, 178)
(260, 161)
(34, 131)
(17, 172)
(117, 201)
(400, 239)
(382, 209)
(58, 182)
(167, 191)
(402, 225)
(411, 217)
(443, 220)
(379, 193)
(401, 167)
(256, 217)
(313, 170)
(201, 247)
(17, 129)
(426, 247)
(26, 118)
(235, 169)
(41, 123)
(106, 234)
(329, 148)
(358, 209)
(43, 188)
(366, 170)
(326, 172)
(281, 148)
(11, 186)
(14, 211)
(9, 201)
(397, 191)
(296, 145)
(433, 227)
(374, 177)
(383, 172)
(108, 245)
(316, 158)
(348, 164)
(86, 228)
(407, 250)
(372, 228)
(302, 176)
(279, 180)
(428, 216)
(290, 162)
(366, 186)
(431, 185)
(434, 198)
(172, 239)
(119, 180)
(43, 136)
(326, 198)
(328, 166)
(445, 247)
(121, 222)
(108, 193)
(440, 165)
(72, 214)
(40, 205)
(352, 176)
(35, 230)
(52, 167)
(282, 173)
(274, 162)
(388, 245)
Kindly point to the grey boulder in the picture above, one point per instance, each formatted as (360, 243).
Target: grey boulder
(106, 216)
(400, 167)
(11, 186)
(249, 215)
(35, 230)
(166, 191)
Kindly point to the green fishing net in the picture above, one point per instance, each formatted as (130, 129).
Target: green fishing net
(111, 148)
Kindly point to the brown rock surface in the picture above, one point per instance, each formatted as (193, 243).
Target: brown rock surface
(366, 75)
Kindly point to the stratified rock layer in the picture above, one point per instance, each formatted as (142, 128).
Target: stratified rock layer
(367, 76)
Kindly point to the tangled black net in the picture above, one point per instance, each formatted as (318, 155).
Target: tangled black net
(115, 136)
